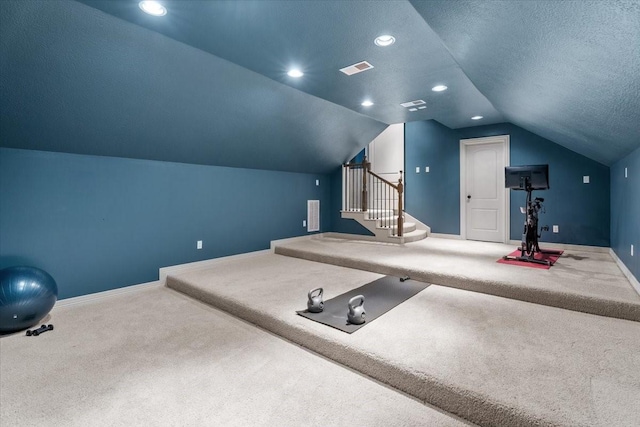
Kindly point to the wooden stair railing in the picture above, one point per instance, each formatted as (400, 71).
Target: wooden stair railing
(366, 191)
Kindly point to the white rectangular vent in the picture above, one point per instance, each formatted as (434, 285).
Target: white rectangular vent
(313, 215)
(356, 68)
(413, 103)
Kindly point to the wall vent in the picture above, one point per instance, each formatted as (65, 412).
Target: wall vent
(313, 215)
(356, 68)
(413, 103)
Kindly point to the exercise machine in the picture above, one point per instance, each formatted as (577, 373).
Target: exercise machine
(529, 178)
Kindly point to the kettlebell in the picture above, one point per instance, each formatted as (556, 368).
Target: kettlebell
(315, 303)
(356, 312)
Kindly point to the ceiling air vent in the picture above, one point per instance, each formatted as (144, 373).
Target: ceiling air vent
(356, 68)
(413, 103)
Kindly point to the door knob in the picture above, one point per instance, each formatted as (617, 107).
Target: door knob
(469, 197)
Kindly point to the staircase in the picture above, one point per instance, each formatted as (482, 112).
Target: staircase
(377, 204)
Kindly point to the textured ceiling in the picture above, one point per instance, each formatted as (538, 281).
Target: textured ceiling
(73, 79)
(568, 71)
(321, 37)
(207, 82)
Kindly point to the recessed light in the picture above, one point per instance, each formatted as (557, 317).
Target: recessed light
(413, 109)
(367, 103)
(294, 72)
(385, 40)
(439, 88)
(152, 8)
(422, 108)
(476, 117)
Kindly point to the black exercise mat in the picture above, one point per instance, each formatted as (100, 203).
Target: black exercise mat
(380, 296)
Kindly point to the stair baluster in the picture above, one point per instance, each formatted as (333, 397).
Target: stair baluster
(368, 192)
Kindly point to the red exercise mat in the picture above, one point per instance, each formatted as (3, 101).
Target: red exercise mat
(551, 257)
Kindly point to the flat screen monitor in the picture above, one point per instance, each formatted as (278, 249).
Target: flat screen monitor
(531, 177)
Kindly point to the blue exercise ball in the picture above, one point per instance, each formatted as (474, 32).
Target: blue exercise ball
(27, 294)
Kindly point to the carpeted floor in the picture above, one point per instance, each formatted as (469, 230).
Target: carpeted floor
(154, 357)
(590, 282)
(491, 360)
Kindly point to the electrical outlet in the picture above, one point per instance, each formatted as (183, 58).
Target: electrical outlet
(417, 169)
(317, 182)
(556, 229)
(199, 244)
(426, 169)
(304, 222)
(585, 179)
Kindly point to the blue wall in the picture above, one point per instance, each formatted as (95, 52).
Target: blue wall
(434, 197)
(580, 210)
(97, 223)
(625, 211)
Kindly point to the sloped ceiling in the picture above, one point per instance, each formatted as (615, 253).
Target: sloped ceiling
(76, 80)
(321, 37)
(207, 82)
(568, 71)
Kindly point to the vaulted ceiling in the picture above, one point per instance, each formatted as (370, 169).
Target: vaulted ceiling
(568, 71)
(207, 83)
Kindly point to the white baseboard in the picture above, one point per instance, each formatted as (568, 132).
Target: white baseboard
(199, 265)
(208, 263)
(202, 265)
(293, 239)
(446, 236)
(163, 273)
(626, 271)
(566, 246)
(348, 236)
(82, 299)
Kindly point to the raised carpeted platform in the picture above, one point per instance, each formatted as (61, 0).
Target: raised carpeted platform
(589, 282)
(490, 360)
(154, 357)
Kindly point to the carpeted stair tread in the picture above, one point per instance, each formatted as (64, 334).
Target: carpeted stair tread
(582, 281)
(414, 235)
(490, 360)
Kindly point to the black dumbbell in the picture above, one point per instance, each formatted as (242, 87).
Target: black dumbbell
(403, 278)
(41, 329)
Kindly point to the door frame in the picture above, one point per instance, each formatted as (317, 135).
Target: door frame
(464, 143)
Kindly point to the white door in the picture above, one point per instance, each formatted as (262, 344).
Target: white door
(484, 195)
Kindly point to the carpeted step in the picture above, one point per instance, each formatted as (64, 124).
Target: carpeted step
(374, 214)
(407, 227)
(580, 281)
(385, 229)
(493, 361)
(414, 235)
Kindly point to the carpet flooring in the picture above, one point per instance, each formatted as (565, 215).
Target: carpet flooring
(154, 357)
(590, 282)
(491, 360)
